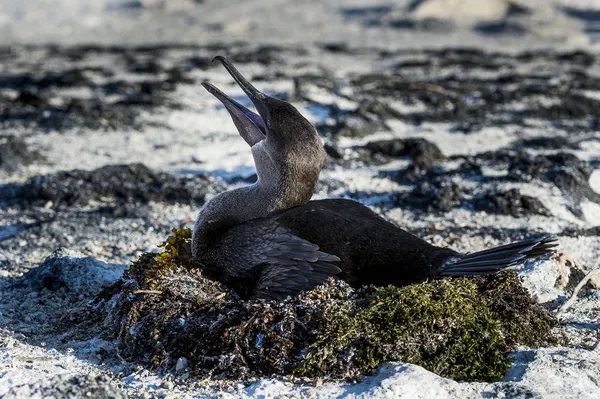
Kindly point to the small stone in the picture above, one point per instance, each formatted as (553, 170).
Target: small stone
(167, 384)
(181, 365)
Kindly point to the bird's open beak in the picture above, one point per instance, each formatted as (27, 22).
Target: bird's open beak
(250, 125)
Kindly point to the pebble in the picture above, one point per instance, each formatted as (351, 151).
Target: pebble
(167, 384)
(181, 365)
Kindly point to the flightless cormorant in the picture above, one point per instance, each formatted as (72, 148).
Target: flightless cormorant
(269, 240)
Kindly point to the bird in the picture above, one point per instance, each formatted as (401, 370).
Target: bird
(269, 240)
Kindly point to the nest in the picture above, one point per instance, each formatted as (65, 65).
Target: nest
(461, 328)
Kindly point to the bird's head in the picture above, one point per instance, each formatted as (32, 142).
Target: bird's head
(285, 145)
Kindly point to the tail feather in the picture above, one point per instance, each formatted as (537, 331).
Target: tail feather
(491, 261)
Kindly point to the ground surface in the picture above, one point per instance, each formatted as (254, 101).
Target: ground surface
(103, 148)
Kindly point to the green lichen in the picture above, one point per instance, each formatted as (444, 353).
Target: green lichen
(460, 328)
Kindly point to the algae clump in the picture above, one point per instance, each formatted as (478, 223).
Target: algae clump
(459, 328)
(447, 326)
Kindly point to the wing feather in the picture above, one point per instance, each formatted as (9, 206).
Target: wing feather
(286, 264)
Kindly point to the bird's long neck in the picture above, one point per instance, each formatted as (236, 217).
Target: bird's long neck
(240, 205)
(236, 206)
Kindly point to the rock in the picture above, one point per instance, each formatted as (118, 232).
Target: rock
(348, 126)
(122, 183)
(181, 364)
(510, 202)
(436, 195)
(370, 116)
(570, 174)
(67, 386)
(41, 103)
(549, 143)
(333, 150)
(70, 270)
(424, 153)
(15, 152)
(552, 279)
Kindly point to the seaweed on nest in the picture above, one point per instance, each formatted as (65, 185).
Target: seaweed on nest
(459, 328)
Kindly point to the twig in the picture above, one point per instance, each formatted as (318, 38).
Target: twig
(148, 292)
(573, 298)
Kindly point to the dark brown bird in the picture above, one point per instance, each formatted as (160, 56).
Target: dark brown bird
(269, 240)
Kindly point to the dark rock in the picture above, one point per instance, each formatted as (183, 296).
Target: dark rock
(348, 126)
(147, 66)
(41, 102)
(577, 57)
(574, 183)
(123, 211)
(571, 106)
(392, 147)
(589, 232)
(339, 47)
(198, 62)
(437, 195)
(126, 5)
(376, 110)
(503, 27)
(525, 167)
(303, 84)
(586, 14)
(122, 183)
(14, 152)
(265, 55)
(426, 24)
(550, 143)
(423, 153)
(510, 202)
(471, 101)
(332, 150)
(29, 98)
(569, 173)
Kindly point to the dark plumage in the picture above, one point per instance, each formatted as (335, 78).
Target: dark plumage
(268, 240)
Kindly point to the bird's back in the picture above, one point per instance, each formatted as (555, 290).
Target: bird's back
(371, 249)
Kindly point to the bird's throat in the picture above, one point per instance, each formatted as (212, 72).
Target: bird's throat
(229, 209)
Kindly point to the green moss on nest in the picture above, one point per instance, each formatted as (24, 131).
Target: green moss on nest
(460, 328)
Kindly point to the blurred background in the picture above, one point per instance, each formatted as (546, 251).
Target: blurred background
(393, 24)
